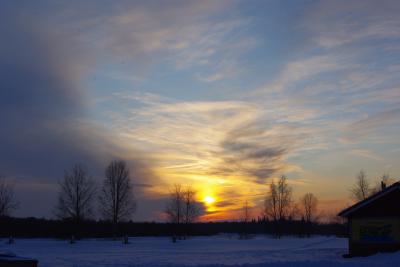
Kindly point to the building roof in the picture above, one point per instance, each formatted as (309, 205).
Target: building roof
(348, 211)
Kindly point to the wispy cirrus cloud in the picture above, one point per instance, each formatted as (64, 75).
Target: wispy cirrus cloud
(337, 79)
(375, 127)
(353, 22)
(227, 140)
(300, 70)
(365, 153)
(183, 35)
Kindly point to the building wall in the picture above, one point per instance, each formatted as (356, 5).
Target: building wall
(376, 226)
(379, 230)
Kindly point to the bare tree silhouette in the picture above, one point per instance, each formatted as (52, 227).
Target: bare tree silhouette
(75, 199)
(309, 204)
(271, 203)
(278, 202)
(245, 218)
(191, 207)
(175, 206)
(7, 198)
(182, 208)
(175, 210)
(384, 181)
(361, 189)
(117, 202)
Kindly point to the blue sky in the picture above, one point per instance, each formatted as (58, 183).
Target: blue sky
(221, 95)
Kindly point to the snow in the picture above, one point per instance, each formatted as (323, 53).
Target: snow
(222, 250)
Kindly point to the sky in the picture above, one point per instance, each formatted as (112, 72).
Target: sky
(222, 96)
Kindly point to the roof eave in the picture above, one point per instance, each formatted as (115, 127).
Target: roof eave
(348, 211)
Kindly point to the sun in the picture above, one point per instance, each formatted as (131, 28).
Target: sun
(209, 200)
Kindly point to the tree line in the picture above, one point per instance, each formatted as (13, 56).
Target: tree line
(78, 193)
(116, 202)
(280, 208)
(63, 229)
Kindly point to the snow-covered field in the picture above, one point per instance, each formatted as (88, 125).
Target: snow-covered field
(223, 250)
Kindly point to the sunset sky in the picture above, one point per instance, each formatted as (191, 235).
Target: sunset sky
(223, 96)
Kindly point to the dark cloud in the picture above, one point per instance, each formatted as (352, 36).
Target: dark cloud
(40, 101)
(44, 128)
(225, 203)
(247, 152)
(143, 185)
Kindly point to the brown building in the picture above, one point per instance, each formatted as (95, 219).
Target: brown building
(374, 223)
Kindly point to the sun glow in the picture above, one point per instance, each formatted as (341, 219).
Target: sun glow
(209, 200)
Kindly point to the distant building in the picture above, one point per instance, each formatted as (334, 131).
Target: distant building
(374, 223)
